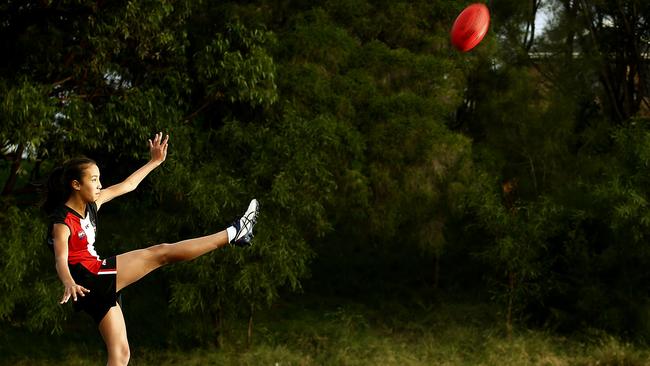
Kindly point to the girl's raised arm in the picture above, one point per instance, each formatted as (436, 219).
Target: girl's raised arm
(158, 149)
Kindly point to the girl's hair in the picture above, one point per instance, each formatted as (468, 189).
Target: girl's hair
(58, 184)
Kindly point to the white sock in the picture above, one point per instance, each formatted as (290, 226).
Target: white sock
(231, 233)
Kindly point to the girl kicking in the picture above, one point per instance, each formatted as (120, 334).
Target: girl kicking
(74, 196)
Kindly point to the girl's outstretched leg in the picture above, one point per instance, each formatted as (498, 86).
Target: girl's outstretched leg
(134, 265)
(113, 330)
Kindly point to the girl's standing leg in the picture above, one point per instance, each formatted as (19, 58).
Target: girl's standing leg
(113, 330)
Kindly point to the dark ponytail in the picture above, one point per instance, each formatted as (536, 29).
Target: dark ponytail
(58, 184)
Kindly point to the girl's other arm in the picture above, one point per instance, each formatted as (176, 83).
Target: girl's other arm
(61, 234)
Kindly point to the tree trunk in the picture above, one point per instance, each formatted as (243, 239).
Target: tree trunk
(36, 171)
(436, 271)
(511, 294)
(218, 328)
(249, 339)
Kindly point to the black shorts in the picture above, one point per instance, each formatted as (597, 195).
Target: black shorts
(102, 295)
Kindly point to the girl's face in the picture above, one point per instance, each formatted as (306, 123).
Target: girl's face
(90, 185)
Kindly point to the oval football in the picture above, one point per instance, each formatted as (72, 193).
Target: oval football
(470, 27)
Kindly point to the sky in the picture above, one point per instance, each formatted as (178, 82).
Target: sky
(542, 18)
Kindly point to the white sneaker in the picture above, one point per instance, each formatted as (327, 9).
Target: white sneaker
(244, 226)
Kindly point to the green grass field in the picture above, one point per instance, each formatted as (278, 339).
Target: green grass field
(352, 334)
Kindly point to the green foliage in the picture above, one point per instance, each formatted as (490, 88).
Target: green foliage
(362, 134)
(112, 74)
(245, 71)
(25, 111)
(31, 290)
(556, 131)
(392, 98)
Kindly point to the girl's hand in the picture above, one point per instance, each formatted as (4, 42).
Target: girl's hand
(73, 290)
(158, 148)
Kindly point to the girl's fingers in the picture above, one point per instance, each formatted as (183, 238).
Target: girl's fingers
(66, 295)
(158, 139)
(159, 145)
(73, 293)
(81, 290)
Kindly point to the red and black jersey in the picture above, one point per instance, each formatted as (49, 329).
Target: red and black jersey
(81, 243)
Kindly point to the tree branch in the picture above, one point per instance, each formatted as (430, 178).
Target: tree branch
(197, 112)
(57, 83)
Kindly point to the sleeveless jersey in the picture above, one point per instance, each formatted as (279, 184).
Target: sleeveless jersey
(81, 243)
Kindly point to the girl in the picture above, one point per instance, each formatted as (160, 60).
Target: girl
(74, 196)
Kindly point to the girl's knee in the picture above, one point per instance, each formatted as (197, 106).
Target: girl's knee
(161, 254)
(125, 353)
(120, 354)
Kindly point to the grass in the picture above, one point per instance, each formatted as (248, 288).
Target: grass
(355, 334)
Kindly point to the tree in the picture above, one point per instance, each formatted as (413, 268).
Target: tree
(543, 118)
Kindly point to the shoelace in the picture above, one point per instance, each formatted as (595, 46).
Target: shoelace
(246, 224)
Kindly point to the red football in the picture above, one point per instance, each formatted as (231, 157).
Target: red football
(470, 27)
